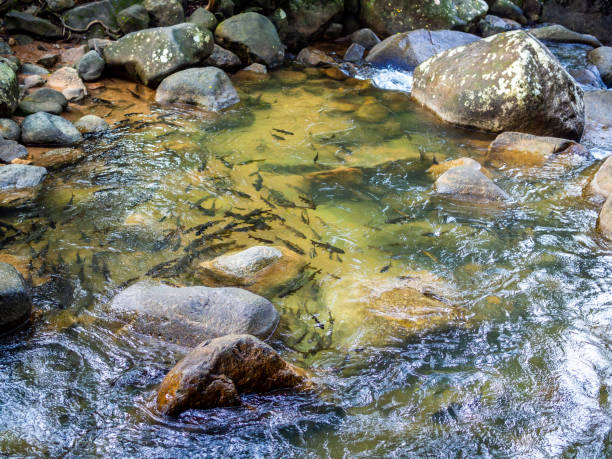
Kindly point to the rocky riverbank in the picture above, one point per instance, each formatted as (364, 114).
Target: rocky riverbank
(475, 65)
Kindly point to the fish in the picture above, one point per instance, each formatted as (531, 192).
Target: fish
(98, 100)
(209, 212)
(43, 253)
(85, 237)
(279, 198)
(305, 217)
(70, 202)
(282, 131)
(199, 229)
(240, 194)
(78, 258)
(137, 96)
(106, 271)
(278, 137)
(311, 204)
(250, 161)
(330, 248)
(290, 292)
(291, 246)
(425, 252)
(225, 162)
(385, 268)
(267, 202)
(313, 253)
(296, 232)
(258, 183)
(316, 158)
(260, 239)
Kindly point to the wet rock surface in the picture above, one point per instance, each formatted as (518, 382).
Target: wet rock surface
(19, 184)
(464, 183)
(23, 22)
(209, 88)
(216, 372)
(604, 223)
(15, 302)
(67, 81)
(223, 58)
(9, 129)
(507, 82)
(190, 315)
(46, 129)
(91, 123)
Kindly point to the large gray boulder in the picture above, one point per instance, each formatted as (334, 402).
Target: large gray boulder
(16, 21)
(602, 59)
(464, 183)
(208, 87)
(506, 82)
(558, 33)
(165, 12)
(15, 302)
(151, 55)
(46, 129)
(598, 121)
(190, 315)
(9, 90)
(43, 100)
(253, 38)
(216, 372)
(407, 50)
(387, 17)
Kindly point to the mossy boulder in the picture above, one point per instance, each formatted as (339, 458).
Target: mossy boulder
(387, 17)
(253, 38)
(506, 82)
(9, 90)
(151, 55)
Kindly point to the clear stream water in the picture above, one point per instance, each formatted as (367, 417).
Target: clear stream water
(524, 372)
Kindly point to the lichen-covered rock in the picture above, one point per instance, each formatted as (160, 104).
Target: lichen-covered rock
(464, 183)
(407, 50)
(165, 12)
(604, 223)
(16, 21)
(43, 100)
(597, 134)
(560, 34)
(91, 123)
(133, 18)
(506, 82)
(602, 180)
(253, 38)
(215, 373)
(9, 90)
(517, 148)
(190, 315)
(492, 25)
(388, 17)
(10, 150)
(203, 18)
(307, 18)
(592, 17)
(45, 129)
(365, 37)
(208, 87)
(267, 271)
(19, 183)
(223, 58)
(91, 66)
(602, 58)
(15, 301)
(151, 55)
(9, 129)
(67, 81)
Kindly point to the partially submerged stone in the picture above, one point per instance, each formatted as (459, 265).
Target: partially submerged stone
(507, 82)
(437, 170)
(253, 38)
(15, 301)
(67, 81)
(560, 34)
(151, 55)
(215, 373)
(365, 37)
(190, 315)
(604, 223)
(517, 148)
(464, 183)
(19, 183)
(354, 53)
(58, 157)
(91, 123)
(602, 180)
(407, 50)
(588, 78)
(209, 88)
(267, 271)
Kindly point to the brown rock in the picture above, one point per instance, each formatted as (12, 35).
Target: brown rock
(58, 157)
(465, 183)
(345, 175)
(313, 57)
(604, 223)
(67, 81)
(438, 169)
(217, 371)
(602, 181)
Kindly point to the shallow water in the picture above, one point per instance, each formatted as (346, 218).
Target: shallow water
(524, 372)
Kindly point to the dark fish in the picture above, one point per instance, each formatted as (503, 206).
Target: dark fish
(209, 212)
(137, 96)
(290, 292)
(296, 232)
(316, 158)
(240, 194)
(313, 253)
(309, 202)
(330, 248)
(249, 161)
(314, 274)
(260, 239)
(278, 137)
(434, 160)
(203, 166)
(291, 246)
(385, 268)
(98, 100)
(279, 198)
(268, 202)
(106, 271)
(282, 131)
(70, 202)
(338, 258)
(78, 259)
(85, 237)
(305, 217)
(199, 229)
(258, 183)
(225, 162)
(43, 253)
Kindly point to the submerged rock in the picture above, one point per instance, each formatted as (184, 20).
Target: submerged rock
(58, 157)
(9, 90)
(190, 315)
(67, 81)
(464, 183)
(388, 17)
(517, 148)
(151, 55)
(438, 169)
(45, 129)
(16, 21)
(313, 57)
(602, 181)
(19, 183)
(507, 82)
(267, 271)
(91, 66)
(598, 120)
(602, 58)
(208, 87)
(10, 150)
(91, 123)
(216, 372)
(560, 34)
(15, 301)
(43, 100)
(354, 53)
(407, 50)
(253, 38)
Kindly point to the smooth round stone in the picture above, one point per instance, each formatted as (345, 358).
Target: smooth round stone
(46, 129)
(91, 66)
(43, 100)
(15, 302)
(9, 129)
(91, 123)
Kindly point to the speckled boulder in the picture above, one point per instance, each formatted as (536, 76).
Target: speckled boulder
(15, 302)
(506, 82)
(387, 17)
(208, 87)
(9, 90)
(190, 315)
(151, 55)
(253, 38)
